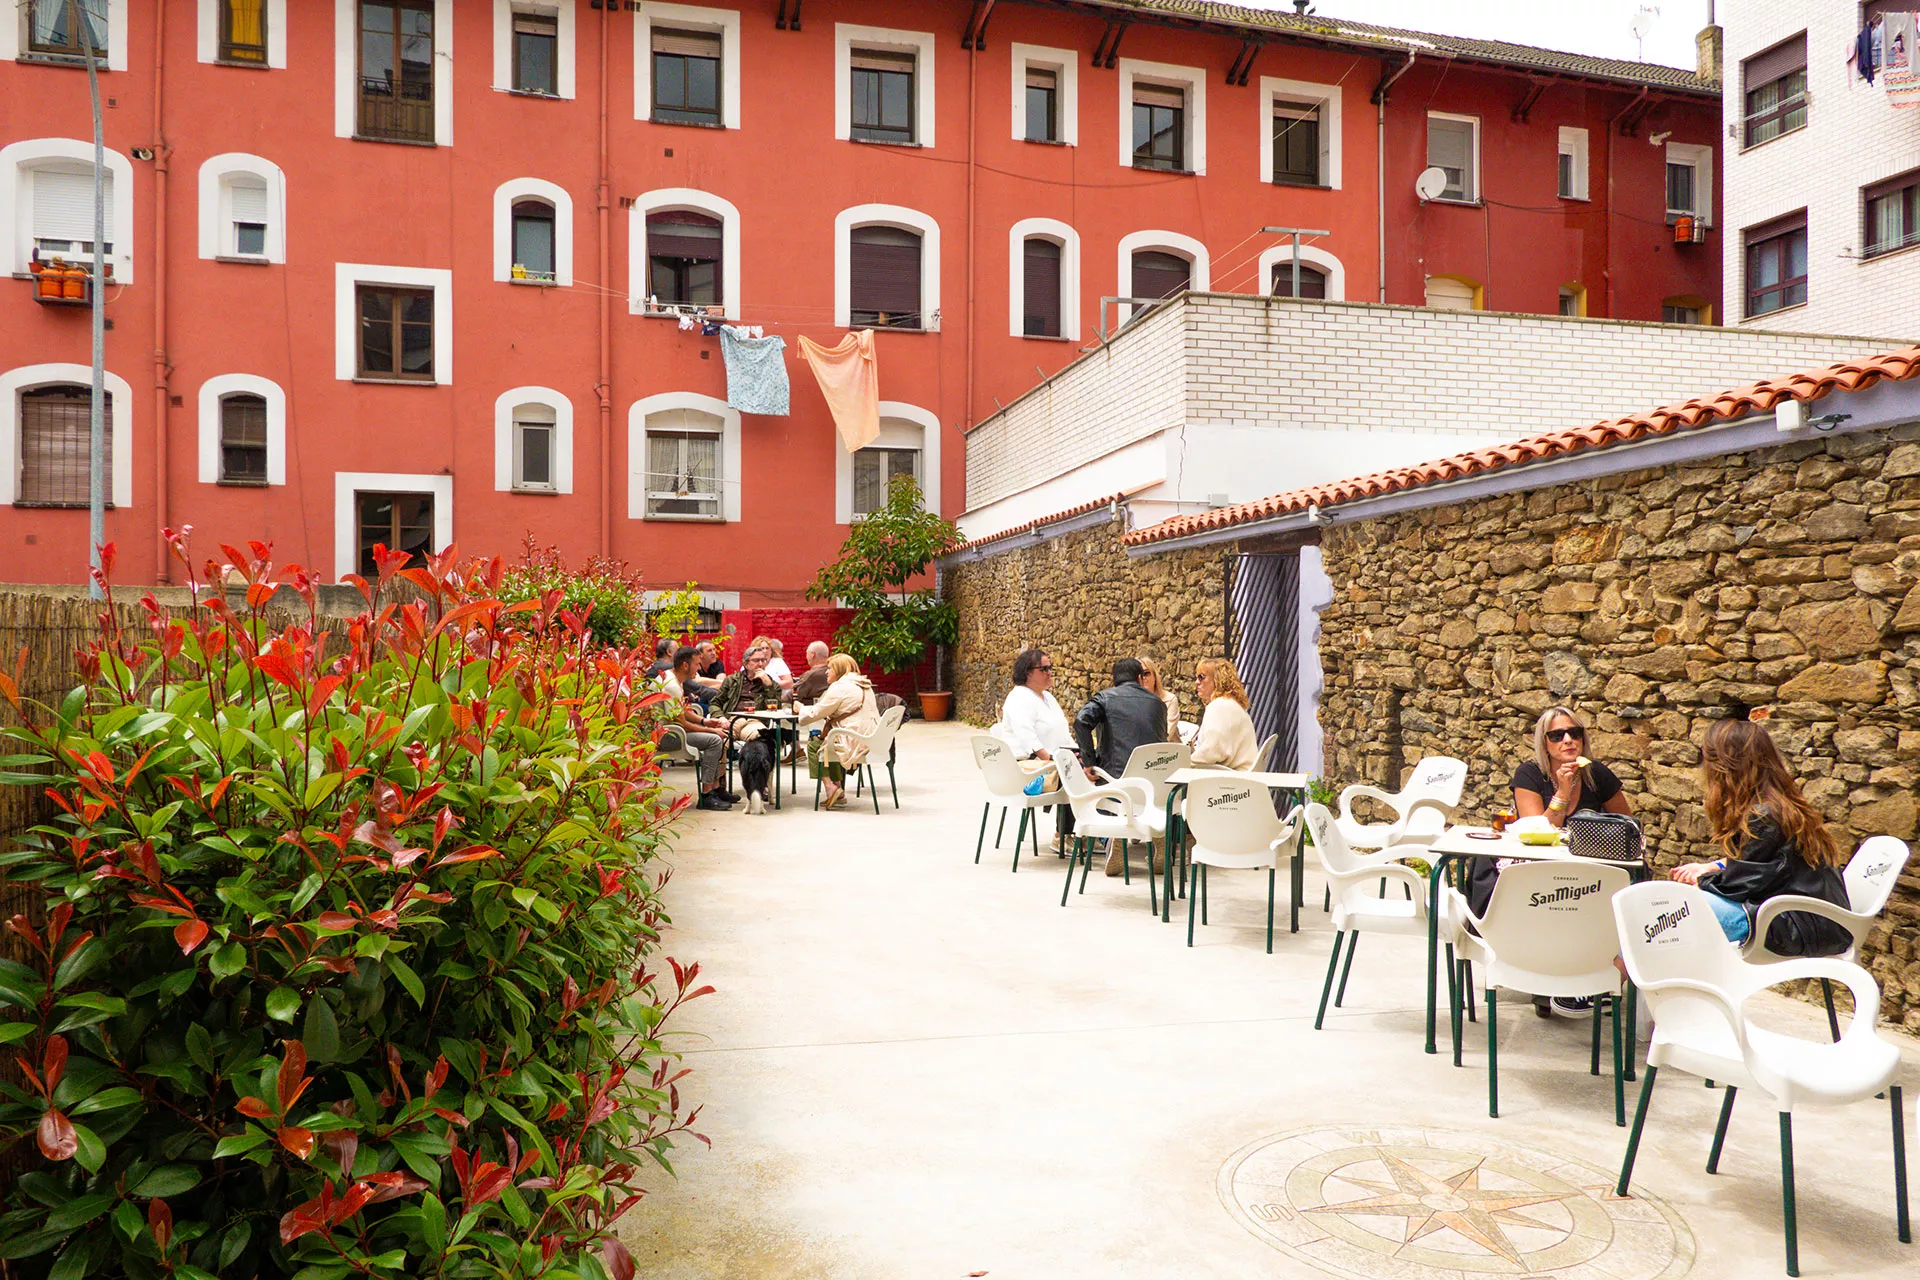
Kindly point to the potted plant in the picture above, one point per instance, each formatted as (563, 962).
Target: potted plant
(892, 625)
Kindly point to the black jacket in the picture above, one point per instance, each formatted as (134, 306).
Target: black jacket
(1127, 717)
(1768, 866)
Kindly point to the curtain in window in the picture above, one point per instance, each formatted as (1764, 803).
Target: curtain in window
(52, 23)
(246, 22)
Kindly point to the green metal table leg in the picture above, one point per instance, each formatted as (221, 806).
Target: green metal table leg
(1433, 947)
(1353, 945)
(1633, 1136)
(1333, 962)
(1493, 1053)
(978, 845)
(1619, 1077)
(1067, 888)
(1271, 874)
(1787, 1210)
(1020, 836)
(1900, 1166)
(1720, 1130)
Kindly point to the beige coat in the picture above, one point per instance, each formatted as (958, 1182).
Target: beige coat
(847, 704)
(1226, 736)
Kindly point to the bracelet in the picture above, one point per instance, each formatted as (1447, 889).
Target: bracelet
(1557, 804)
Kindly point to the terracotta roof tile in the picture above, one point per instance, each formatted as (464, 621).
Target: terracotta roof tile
(1043, 521)
(1702, 411)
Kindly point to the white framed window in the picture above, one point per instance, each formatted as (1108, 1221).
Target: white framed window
(888, 95)
(533, 230)
(1189, 147)
(45, 423)
(686, 65)
(1690, 182)
(647, 222)
(532, 441)
(1046, 94)
(242, 33)
(1573, 300)
(1043, 279)
(46, 202)
(242, 430)
(41, 30)
(383, 91)
(353, 279)
(1572, 177)
(1276, 272)
(1453, 147)
(885, 287)
(243, 208)
(909, 443)
(1302, 147)
(533, 47)
(401, 511)
(1147, 258)
(683, 458)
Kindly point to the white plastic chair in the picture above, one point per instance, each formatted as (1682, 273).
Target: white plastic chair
(673, 748)
(1421, 809)
(1349, 879)
(1697, 988)
(1234, 826)
(1156, 762)
(1120, 810)
(1548, 931)
(1869, 877)
(1006, 786)
(1263, 758)
(879, 740)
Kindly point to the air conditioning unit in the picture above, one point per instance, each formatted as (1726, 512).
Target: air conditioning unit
(1689, 230)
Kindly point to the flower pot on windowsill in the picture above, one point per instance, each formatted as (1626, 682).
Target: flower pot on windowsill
(936, 706)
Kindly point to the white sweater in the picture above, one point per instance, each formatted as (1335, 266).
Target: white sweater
(1031, 722)
(1226, 736)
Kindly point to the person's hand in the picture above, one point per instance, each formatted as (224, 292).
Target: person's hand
(1042, 754)
(1691, 873)
(1566, 780)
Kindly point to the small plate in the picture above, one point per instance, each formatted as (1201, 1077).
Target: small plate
(1483, 835)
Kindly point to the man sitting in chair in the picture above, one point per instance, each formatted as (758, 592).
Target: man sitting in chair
(1118, 719)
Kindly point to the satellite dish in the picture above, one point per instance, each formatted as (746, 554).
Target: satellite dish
(1431, 182)
(1641, 24)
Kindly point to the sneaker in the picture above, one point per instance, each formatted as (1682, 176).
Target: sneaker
(1573, 1006)
(728, 796)
(1116, 858)
(712, 801)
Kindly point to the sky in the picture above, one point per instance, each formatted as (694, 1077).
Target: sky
(1599, 27)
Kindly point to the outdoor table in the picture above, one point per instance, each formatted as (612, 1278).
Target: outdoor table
(1461, 844)
(777, 721)
(1177, 782)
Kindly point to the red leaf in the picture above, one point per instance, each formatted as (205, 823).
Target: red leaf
(437, 1076)
(322, 690)
(58, 1141)
(373, 833)
(189, 934)
(472, 853)
(391, 1186)
(357, 1195)
(160, 1222)
(334, 920)
(254, 1109)
(302, 1220)
(488, 1182)
(291, 1079)
(618, 1261)
(53, 1061)
(343, 1145)
(297, 1140)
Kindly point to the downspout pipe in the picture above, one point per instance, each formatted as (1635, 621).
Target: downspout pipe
(1380, 160)
(603, 384)
(162, 369)
(1606, 240)
(973, 115)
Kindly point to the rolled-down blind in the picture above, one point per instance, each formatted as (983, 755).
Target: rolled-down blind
(249, 201)
(881, 60)
(1765, 68)
(1887, 186)
(1449, 144)
(63, 205)
(55, 445)
(687, 44)
(1041, 305)
(884, 270)
(1159, 275)
(684, 235)
(1795, 221)
(1155, 95)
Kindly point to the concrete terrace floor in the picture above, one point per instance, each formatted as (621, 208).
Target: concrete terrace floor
(916, 1067)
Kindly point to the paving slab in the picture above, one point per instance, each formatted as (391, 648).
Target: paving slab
(919, 1067)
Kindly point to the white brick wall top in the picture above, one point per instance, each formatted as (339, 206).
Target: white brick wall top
(1234, 359)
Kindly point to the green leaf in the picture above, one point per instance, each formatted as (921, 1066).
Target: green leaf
(228, 960)
(200, 1047)
(12, 1031)
(320, 788)
(283, 1003)
(129, 1220)
(304, 895)
(78, 1258)
(79, 965)
(320, 1031)
(238, 1143)
(91, 1152)
(168, 1180)
(93, 1000)
(234, 1242)
(408, 979)
(106, 1100)
(26, 1246)
(433, 1223)
(80, 1210)
(422, 1153)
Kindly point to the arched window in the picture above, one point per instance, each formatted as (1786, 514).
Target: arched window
(56, 433)
(908, 445)
(533, 441)
(243, 201)
(533, 240)
(883, 278)
(1043, 279)
(1452, 293)
(1313, 281)
(1041, 292)
(685, 258)
(46, 205)
(243, 430)
(1158, 274)
(243, 439)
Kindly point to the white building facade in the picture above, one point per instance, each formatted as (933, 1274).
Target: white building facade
(1821, 177)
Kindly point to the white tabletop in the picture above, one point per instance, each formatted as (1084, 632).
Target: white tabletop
(764, 715)
(1288, 781)
(1466, 841)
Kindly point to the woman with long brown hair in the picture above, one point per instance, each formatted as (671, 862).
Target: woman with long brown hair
(1226, 739)
(1771, 840)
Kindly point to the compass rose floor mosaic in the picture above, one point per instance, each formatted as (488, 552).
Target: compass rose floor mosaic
(1436, 1204)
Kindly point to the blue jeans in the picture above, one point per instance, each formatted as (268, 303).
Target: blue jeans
(1732, 917)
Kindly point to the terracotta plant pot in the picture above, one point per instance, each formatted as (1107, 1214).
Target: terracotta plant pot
(936, 706)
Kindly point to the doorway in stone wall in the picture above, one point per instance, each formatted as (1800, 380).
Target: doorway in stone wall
(1263, 639)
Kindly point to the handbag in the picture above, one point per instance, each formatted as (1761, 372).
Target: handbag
(1605, 837)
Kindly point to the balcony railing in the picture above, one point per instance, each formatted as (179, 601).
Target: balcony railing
(401, 112)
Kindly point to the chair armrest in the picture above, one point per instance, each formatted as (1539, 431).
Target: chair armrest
(1857, 925)
(1721, 1002)
(1410, 828)
(1359, 789)
(1130, 804)
(1866, 992)
(1141, 788)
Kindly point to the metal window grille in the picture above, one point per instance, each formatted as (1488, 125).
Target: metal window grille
(56, 436)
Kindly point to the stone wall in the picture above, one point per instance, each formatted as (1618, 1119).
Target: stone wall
(1086, 603)
(1786, 580)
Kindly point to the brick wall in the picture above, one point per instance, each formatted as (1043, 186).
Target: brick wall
(795, 629)
(1232, 360)
(1852, 138)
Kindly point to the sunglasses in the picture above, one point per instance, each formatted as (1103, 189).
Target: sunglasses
(1561, 735)
(1045, 666)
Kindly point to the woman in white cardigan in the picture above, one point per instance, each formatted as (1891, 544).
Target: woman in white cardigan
(848, 703)
(1226, 739)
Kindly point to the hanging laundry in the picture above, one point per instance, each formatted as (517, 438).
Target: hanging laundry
(756, 371)
(1868, 52)
(1900, 69)
(687, 323)
(850, 380)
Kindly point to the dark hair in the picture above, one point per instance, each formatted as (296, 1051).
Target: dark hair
(683, 655)
(1024, 664)
(1127, 671)
(662, 647)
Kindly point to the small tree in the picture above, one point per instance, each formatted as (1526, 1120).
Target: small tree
(892, 625)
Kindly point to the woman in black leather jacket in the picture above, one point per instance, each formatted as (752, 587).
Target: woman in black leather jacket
(1773, 842)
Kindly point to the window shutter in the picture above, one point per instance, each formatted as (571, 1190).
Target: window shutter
(884, 270)
(1447, 144)
(1160, 275)
(1786, 57)
(249, 201)
(1887, 186)
(1042, 288)
(1156, 95)
(687, 44)
(1042, 78)
(1796, 221)
(684, 235)
(63, 205)
(55, 445)
(881, 60)
(1313, 282)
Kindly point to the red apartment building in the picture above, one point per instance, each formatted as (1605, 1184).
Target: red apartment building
(387, 270)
